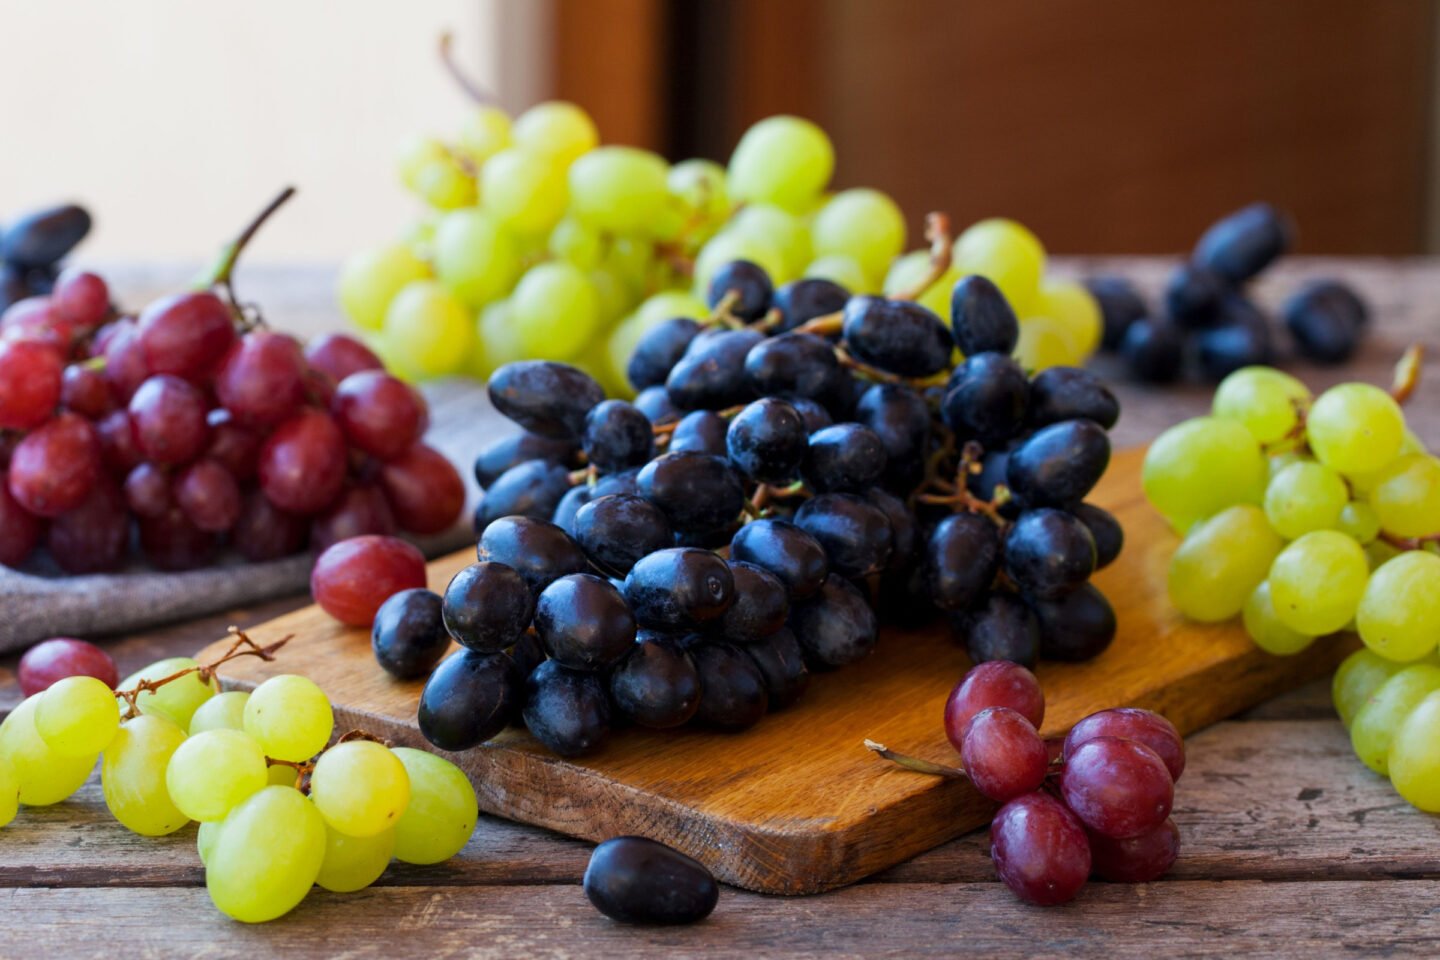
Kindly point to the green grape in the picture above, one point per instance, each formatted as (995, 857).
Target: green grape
(1359, 521)
(445, 185)
(1355, 428)
(632, 261)
(728, 245)
(353, 863)
(554, 310)
(484, 133)
(418, 239)
(77, 716)
(498, 341)
(1006, 252)
(699, 188)
(1220, 562)
(1415, 755)
(863, 224)
(1267, 401)
(205, 837)
(612, 297)
(414, 155)
(1399, 614)
(42, 776)
(1412, 443)
(442, 812)
(289, 717)
(132, 775)
(428, 332)
(1406, 496)
(789, 235)
(1359, 676)
(843, 270)
(671, 303)
(619, 189)
(1304, 497)
(369, 281)
(574, 242)
(1046, 343)
(9, 791)
(360, 788)
(224, 711)
(1316, 582)
(556, 129)
(1201, 466)
(278, 774)
(1378, 553)
(782, 160)
(177, 700)
(212, 772)
(475, 256)
(1265, 628)
(911, 269)
(524, 190)
(1375, 724)
(266, 856)
(1070, 305)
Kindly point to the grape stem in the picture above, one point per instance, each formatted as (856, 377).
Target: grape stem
(825, 325)
(242, 647)
(472, 89)
(937, 231)
(960, 496)
(1409, 543)
(876, 375)
(221, 273)
(724, 315)
(1407, 373)
(915, 763)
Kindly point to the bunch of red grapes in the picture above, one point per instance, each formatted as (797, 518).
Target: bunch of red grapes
(1096, 804)
(193, 425)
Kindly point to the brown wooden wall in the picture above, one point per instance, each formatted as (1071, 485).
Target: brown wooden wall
(1107, 125)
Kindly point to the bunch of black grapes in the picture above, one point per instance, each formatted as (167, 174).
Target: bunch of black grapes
(31, 248)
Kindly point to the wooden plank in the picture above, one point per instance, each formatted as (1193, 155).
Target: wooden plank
(796, 804)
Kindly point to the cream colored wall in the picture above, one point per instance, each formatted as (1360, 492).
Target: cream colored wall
(175, 119)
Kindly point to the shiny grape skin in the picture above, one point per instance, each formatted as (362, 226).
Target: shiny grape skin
(544, 397)
(679, 588)
(615, 531)
(186, 334)
(835, 626)
(59, 657)
(125, 367)
(351, 579)
(787, 551)
(844, 458)
(733, 691)
(1003, 755)
(963, 556)
(265, 532)
(340, 355)
(904, 530)
(752, 284)
(497, 457)
(31, 384)
(659, 349)
(617, 436)
(1071, 393)
(897, 336)
(1132, 723)
(900, 417)
(43, 237)
(767, 441)
(981, 319)
(1059, 464)
(583, 622)
(536, 549)
(986, 399)
(1048, 553)
(20, 529)
(1326, 319)
(993, 467)
(362, 509)
(813, 413)
(711, 374)
(379, 414)
(209, 496)
(793, 365)
(530, 489)
(569, 506)
(168, 417)
(656, 404)
(1118, 788)
(656, 685)
(235, 446)
(303, 463)
(760, 608)
(995, 683)
(262, 379)
(1120, 306)
(855, 535)
(1154, 351)
(408, 636)
(1240, 339)
(1078, 626)
(468, 699)
(54, 468)
(703, 431)
(487, 606)
(1240, 245)
(1192, 295)
(1109, 536)
(566, 710)
(637, 880)
(93, 537)
(782, 665)
(806, 299)
(1137, 859)
(1001, 627)
(1040, 850)
(83, 390)
(697, 491)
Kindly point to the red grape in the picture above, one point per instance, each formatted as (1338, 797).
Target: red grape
(84, 390)
(35, 320)
(103, 336)
(147, 491)
(186, 334)
(319, 388)
(172, 542)
(82, 298)
(1117, 787)
(19, 528)
(117, 442)
(380, 414)
(1137, 859)
(262, 379)
(424, 490)
(1040, 849)
(995, 683)
(208, 495)
(354, 577)
(340, 355)
(60, 657)
(234, 446)
(360, 510)
(1003, 755)
(125, 367)
(30, 381)
(302, 465)
(265, 532)
(168, 417)
(54, 468)
(94, 536)
(1132, 723)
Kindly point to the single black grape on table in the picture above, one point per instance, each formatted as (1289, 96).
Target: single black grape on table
(635, 880)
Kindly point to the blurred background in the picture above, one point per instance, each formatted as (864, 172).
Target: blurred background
(1115, 126)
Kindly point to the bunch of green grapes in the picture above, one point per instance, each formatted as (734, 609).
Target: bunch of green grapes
(235, 762)
(541, 243)
(1392, 710)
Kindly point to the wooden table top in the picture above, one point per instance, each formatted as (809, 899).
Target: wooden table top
(1290, 845)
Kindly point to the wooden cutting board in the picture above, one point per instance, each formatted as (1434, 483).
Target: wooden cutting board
(797, 804)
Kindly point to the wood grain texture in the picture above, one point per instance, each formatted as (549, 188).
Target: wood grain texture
(796, 804)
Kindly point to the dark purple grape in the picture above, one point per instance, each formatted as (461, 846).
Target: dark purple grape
(1326, 319)
(537, 550)
(1048, 553)
(1120, 306)
(696, 491)
(733, 691)
(1109, 536)
(551, 399)
(1135, 859)
(1040, 850)
(835, 626)
(795, 557)
(803, 300)
(566, 710)
(1132, 723)
(569, 506)
(1193, 294)
(749, 282)
(617, 436)
(1245, 242)
(43, 237)
(635, 880)
(1059, 464)
(659, 349)
(993, 469)
(1071, 393)
(679, 588)
(408, 636)
(760, 608)
(962, 558)
(711, 374)
(898, 336)
(656, 685)
(656, 404)
(530, 489)
(487, 606)
(782, 665)
(1241, 339)
(986, 399)
(1154, 351)
(767, 441)
(855, 535)
(793, 365)
(1000, 627)
(981, 318)
(904, 531)
(1117, 788)
(702, 431)
(1003, 755)
(845, 458)
(583, 622)
(900, 417)
(616, 531)
(1076, 627)
(468, 699)
(497, 457)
